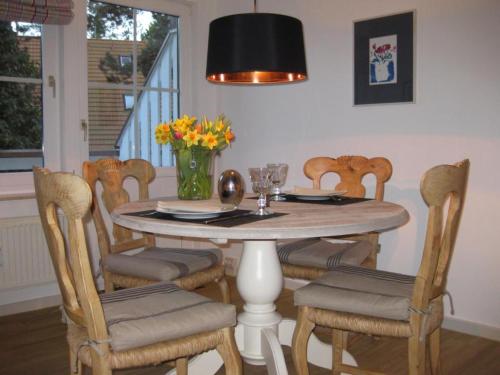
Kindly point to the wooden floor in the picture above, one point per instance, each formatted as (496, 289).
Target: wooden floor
(34, 343)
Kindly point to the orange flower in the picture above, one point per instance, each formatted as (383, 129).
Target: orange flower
(228, 135)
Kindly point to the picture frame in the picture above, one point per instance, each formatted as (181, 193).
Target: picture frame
(384, 60)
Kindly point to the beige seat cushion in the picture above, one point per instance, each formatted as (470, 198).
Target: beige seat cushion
(361, 291)
(142, 316)
(163, 264)
(319, 253)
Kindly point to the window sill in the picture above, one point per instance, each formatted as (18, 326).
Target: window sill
(17, 196)
(166, 172)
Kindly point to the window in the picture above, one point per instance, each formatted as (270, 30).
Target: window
(125, 60)
(133, 80)
(128, 101)
(21, 87)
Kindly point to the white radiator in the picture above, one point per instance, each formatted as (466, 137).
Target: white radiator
(24, 256)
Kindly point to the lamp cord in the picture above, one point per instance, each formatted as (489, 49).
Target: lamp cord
(255, 6)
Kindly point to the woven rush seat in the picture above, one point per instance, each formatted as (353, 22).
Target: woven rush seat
(141, 316)
(319, 253)
(162, 264)
(361, 291)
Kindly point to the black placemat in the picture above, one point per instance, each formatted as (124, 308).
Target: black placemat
(227, 219)
(335, 200)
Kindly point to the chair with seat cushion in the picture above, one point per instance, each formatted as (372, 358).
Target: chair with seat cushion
(189, 269)
(311, 258)
(131, 327)
(374, 302)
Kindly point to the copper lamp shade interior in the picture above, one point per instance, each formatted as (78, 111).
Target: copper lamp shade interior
(256, 48)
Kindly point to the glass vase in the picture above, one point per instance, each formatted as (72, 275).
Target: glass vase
(194, 173)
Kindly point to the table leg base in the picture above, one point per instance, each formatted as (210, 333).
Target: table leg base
(249, 336)
(273, 353)
(318, 352)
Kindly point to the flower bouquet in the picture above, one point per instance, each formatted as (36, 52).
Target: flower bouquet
(194, 144)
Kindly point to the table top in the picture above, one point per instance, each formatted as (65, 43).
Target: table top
(303, 220)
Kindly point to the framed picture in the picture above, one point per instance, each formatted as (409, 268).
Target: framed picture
(383, 60)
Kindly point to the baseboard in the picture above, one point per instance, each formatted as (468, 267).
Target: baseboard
(30, 305)
(472, 328)
(450, 322)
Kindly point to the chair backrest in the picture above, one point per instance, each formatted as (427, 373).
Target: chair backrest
(351, 170)
(69, 254)
(441, 186)
(111, 173)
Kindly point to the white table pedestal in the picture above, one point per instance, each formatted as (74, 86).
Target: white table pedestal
(259, 283)
(261, 331)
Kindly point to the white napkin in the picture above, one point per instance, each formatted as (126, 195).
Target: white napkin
(194, 206)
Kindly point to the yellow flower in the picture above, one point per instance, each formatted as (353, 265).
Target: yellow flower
(219, 125)
(192, 138)
(209, 140)
(206, 125)
(186, 132)
(162, 134)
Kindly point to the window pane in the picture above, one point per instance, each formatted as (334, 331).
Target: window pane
(21, 52)
(20, 96)
(156, 29)
(107, 114)
(109, 21)
(119, 38)
(153, 107)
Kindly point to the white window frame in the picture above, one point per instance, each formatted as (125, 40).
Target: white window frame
(64, 146)
(12, 183)
(183, 10)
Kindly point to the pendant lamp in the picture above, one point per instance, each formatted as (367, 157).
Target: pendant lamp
(256, 48)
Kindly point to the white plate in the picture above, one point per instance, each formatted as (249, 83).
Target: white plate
(179, 214)
(311, 197)
(314, 194)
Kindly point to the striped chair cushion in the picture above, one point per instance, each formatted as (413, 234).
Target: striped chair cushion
(142, 316)
(163, 264)
(361, 291)
(319, 253)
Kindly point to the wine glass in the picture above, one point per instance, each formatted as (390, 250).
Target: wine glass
(278, 177)
(261, 183)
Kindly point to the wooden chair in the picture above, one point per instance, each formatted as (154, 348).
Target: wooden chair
(297, 257)
(189, 269)
(131, 327)
(356, 299)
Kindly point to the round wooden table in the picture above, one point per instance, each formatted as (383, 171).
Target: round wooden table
(261, 330)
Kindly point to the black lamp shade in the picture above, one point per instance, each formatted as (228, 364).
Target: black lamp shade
(256, 48)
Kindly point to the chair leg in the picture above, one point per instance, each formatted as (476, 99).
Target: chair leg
(416, 355)
(224, 289)
(108, 283)
(301, 335)
(339, 343)
(435, 347)
(75, 364)
(229, 353)
(181, 366)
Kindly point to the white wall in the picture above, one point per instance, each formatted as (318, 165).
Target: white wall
(456, 115)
